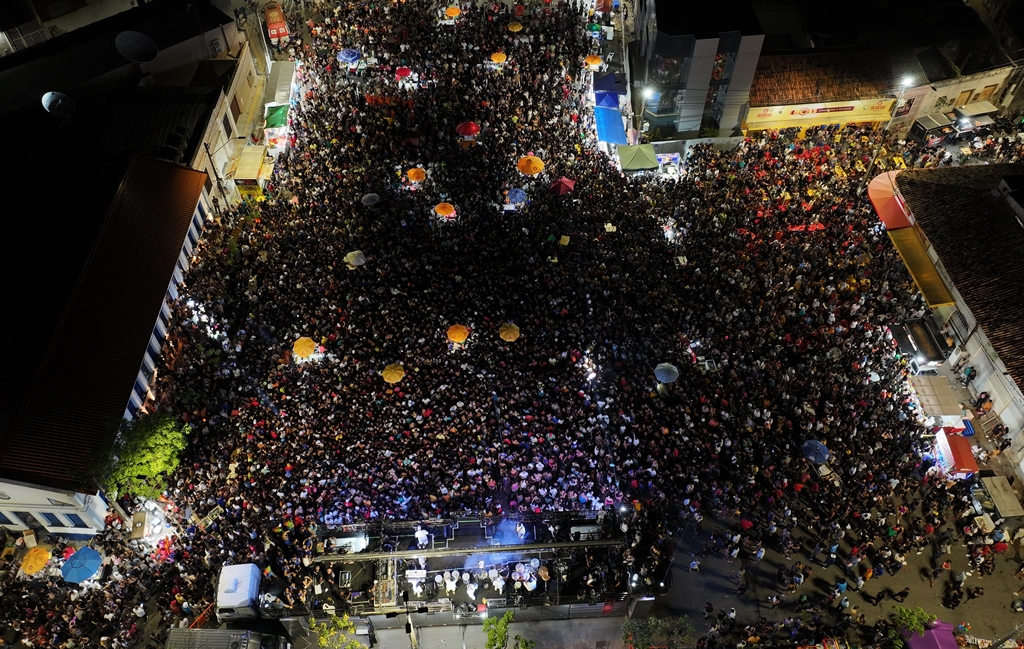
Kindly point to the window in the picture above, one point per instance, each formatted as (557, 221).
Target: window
(52, 519)
(4, 520)
(75, 520)
(209, 184)
(236, 108)
(227, 127)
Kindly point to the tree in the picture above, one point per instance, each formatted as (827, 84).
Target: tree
(671, 632)
(143, 455)
(335, 634)
(914, 620)
(523, 643)
(496, 629)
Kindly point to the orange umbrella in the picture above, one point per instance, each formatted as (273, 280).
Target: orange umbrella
(417, 175)
(444, 209)
(515, 27)
(508, 332)
(593, 60)
(452, 12)
(393, 373)
(530, 165)
(458, 333)
(35, 560)
(304, 347)
(499, 57)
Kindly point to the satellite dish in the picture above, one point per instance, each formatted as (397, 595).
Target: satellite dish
(59, 104)
(136, 47)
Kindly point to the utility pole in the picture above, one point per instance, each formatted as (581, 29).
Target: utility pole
(1009, 636)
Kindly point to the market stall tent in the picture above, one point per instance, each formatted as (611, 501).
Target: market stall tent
(638, 157)
(955, 455)
(1003, 496)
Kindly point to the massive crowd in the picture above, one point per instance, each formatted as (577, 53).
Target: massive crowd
(762, 273)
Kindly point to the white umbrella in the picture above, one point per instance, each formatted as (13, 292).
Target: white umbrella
(666, 373)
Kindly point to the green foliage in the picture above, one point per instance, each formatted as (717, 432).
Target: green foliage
(496, 629)
(335, 634)
(143, 455)
(523, 643)
(672, 632)
(914, 620)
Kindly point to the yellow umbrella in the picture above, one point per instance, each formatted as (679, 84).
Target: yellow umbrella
(508, 332)
(593, 59)
(530, 165)
(499, 57)
(393, 373)
(515, 27)
(452, 12)
(444, 209)
(458, 333)
(304, 347)
(35, 560)
(417, 175)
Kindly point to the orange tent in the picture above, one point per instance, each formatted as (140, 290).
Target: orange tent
(530, 165)
(444, 209)
(416, 175)
(453, 12)
(458, 333)
(499, 57)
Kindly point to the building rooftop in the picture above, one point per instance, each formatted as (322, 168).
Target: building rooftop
(705, 19)
(102, 235)
(816, 78)
(958, 212)
(69, 62)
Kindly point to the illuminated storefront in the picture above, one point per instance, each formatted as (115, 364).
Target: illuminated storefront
(856, 111)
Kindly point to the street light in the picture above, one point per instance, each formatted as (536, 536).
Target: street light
(213, 164)
(647, 93)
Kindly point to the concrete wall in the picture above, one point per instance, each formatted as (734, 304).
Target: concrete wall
(738, 93)
(698, 77)
(17, 498)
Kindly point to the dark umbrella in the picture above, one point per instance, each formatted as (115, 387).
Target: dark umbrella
(370, 200)
(815, 451)
(563, 185)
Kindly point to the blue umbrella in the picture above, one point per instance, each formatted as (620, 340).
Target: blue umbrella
(666, 373)
(516, 195)
(815, 451)
(82, 565)
(349, 56)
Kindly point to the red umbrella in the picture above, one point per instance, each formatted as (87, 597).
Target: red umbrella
(563, 186)
(467, 129)
(402, 73)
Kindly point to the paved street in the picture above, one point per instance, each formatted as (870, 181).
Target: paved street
(553, 634)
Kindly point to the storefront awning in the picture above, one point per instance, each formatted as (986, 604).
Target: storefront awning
(963, 458)
(609, 125)
(854, 111)
(638, 157)
(279, 83)
(937, 397)
(1003, 497)
(976, 109)
(250, 163)
(909, 243)
(888, 204)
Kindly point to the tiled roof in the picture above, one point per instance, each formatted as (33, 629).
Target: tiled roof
(68, 61)
(81, 378)
(783, 79)
(980, 244)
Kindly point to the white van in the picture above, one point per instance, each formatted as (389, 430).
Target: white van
(238, 592)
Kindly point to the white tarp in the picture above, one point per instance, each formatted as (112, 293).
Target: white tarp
(1003, 497)
(937, 396)
(279, 83)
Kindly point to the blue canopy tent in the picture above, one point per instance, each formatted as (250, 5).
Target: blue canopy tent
(609, 125)
(607, 99)
(610, 82)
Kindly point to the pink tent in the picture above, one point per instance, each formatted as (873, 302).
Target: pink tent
(940, 636)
